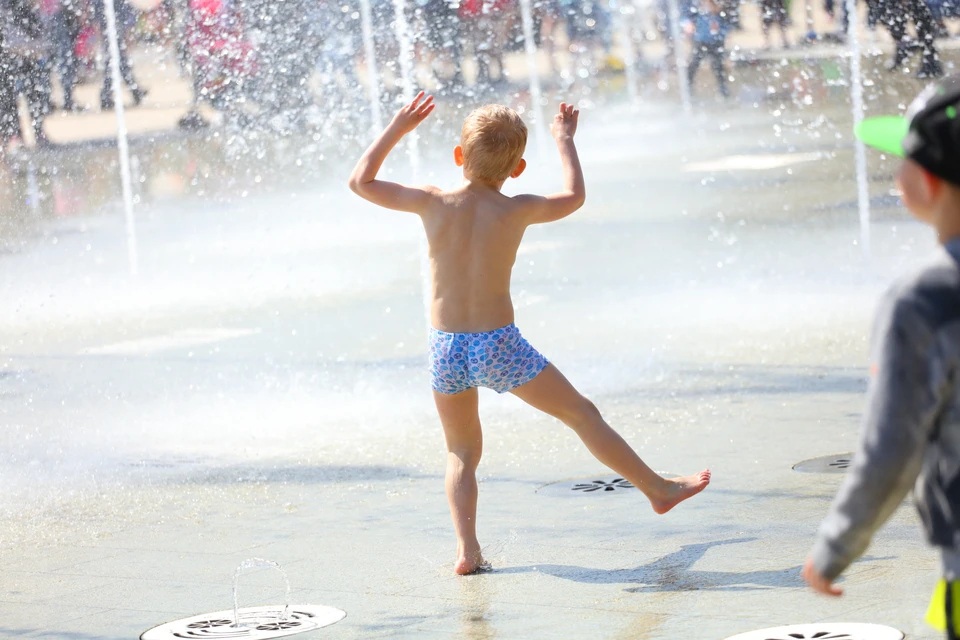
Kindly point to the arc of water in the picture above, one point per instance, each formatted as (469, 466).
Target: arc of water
(257, 563)
(122, 143)
(856, 101)
(373, 78)
(413, 146)
(536, 92)
(682, 78)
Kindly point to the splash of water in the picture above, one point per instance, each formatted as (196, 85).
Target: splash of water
(413, 145)
(257, 563)
(373, 79)
(682, 79)
(856, 100)
(536, 92)
(407, 78)
(122, 145)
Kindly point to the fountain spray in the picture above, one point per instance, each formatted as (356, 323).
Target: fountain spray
(122, 144)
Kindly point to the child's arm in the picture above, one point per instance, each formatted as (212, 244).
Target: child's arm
(363, 180)
(541, 209)
(904, 402)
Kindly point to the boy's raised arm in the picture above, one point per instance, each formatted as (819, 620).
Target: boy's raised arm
(363, 180)
(559, 205)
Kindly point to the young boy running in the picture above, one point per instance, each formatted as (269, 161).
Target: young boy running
(911, 431)
(473, 233)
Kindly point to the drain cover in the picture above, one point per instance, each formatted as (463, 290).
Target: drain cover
(824, 632)
(589, 486)
(837, 463)
(257, 623)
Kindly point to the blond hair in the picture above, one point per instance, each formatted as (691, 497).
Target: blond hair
(493, 140)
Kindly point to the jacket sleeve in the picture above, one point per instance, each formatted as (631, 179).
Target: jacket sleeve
(904, 399)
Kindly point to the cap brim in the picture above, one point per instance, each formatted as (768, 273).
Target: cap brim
(884, 133)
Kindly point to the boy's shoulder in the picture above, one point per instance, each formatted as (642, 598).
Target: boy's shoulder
(932, 291)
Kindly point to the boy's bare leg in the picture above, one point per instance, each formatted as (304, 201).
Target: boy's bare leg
(461, 428)
(553, 394)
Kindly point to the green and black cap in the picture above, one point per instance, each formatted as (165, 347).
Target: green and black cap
(929, 133)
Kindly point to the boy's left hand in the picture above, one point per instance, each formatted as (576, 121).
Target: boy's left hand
(411, 115)
(819, 583)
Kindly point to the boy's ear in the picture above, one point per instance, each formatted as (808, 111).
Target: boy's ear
(458, 155)
(519, 168)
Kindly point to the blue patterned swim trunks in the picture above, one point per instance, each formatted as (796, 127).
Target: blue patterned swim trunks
(501, 360)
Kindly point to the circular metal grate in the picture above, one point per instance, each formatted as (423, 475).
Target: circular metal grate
(589, 486)
(256, 623)
(826, 631)
(837, 463)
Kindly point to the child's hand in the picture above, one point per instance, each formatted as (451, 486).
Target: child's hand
(564, 124)
(819, 583)
(411, 115)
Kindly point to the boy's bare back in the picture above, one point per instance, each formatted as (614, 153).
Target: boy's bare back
(474, 231)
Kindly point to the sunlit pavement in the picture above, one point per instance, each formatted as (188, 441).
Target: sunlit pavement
(260, 390)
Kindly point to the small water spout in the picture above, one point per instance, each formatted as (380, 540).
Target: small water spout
(856, 101)
(122, 144)
(373, 78)
(536, 92)
(413, 146)
(407, 78)
(257, 563)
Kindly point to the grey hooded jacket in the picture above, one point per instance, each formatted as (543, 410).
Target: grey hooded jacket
(911, 431)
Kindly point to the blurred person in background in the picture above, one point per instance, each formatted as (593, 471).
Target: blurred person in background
(589, 29)
(730, 13)
(27, 61)
(68, 21)
(125, 18)
(941, 10)
(547, 14)
(223, 57)
(485, 25)
(441, 32)
(286, 43)
(708, 31)
(894, 15)
(774, 13)
(830, 6)
(9, 118)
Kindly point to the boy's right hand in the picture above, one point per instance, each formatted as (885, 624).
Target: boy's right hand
(564, 124)
(819, 583)
(411, 115)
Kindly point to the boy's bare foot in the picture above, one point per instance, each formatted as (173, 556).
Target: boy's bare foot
(471, 562)
(679, 489)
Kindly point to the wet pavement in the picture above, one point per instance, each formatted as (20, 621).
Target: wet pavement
(260, 389)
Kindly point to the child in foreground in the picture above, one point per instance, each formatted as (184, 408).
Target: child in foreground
(911, 431)
(473, 232)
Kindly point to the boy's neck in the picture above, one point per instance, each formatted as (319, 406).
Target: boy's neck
(946, 219)
(482, 184)
(946, 236)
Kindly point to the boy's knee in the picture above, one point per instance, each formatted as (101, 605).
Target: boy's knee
(468, 457)
(582, 414)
